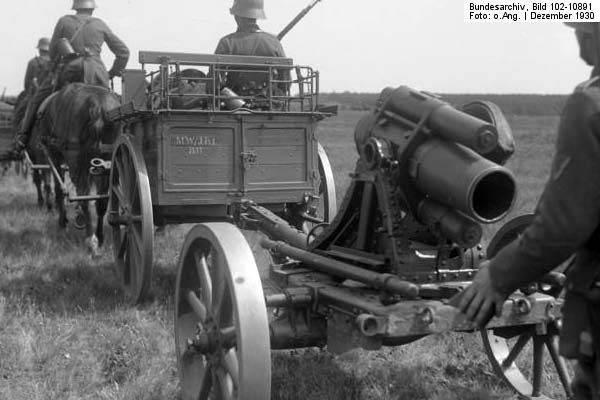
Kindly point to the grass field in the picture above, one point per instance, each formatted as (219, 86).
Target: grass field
(66, 333)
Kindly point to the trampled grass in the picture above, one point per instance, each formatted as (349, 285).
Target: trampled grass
(66, 332)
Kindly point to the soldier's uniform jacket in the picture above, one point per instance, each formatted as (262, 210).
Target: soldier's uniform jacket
(36, 68)
(249, 40)
(567, 219)
(88, 68)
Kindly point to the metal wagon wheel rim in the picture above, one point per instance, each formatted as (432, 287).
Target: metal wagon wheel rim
(509, 355)
(221, 326)
(131, 219)
(327, 196)
(327, 185)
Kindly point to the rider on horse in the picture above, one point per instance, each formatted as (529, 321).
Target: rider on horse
(75, 56)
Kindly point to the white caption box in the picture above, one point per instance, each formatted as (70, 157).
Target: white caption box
(507, 11)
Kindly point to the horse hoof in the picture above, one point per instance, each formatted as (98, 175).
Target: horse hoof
(93, 247)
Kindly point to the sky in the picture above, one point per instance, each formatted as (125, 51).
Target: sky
(356, 45)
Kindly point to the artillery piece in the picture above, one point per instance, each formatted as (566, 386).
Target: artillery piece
(405, 240)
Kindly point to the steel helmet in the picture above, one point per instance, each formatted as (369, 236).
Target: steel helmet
(248, 9)
(83, 4)
(44, 44)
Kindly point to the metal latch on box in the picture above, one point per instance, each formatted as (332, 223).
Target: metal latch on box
(249, 158)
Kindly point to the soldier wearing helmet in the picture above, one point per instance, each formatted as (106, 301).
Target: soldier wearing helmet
(566, 222)
(75, 54)
(38, 66)
(249, 40)
(37, 69)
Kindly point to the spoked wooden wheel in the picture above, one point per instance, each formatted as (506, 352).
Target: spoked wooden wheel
(221, 327)
(130, 214)
(520, 356)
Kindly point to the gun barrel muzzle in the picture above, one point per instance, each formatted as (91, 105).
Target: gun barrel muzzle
(459, 178)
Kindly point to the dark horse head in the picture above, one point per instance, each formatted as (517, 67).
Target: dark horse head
(77, 129)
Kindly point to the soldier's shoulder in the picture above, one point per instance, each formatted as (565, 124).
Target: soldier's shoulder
(268, 34)
(589, 87)
(585, 99)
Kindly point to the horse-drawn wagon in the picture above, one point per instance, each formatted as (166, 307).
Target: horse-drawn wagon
(191, 152)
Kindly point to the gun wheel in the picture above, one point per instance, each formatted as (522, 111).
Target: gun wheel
(130, 214)
(519, 356)
(221, 327)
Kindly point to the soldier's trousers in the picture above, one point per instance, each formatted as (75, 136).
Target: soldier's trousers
(585, 383)
(45, 90)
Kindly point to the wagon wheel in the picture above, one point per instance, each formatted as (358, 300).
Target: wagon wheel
(130, 214)
(519, 354)
(327, 197)
(221, 327)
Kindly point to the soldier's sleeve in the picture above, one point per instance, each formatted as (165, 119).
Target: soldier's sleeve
(223, 46)
(119, 49)
(29, 75)
(568, 212)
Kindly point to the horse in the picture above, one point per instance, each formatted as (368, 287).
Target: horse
(74, 125)
(41, 177)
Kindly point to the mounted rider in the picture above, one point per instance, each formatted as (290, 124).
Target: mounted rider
(75, 57)
(38, 66)
(37, 70)
(566, 222)
(250, 40)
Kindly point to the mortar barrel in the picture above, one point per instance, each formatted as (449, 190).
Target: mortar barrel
(444, 120)
(459, 178)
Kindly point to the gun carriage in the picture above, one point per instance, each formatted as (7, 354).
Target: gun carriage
(381, 273)
(194, 151)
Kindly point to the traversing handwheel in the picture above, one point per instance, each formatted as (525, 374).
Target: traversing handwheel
(130, 214)
(221, 327)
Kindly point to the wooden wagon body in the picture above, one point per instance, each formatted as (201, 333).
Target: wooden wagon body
(194, 151)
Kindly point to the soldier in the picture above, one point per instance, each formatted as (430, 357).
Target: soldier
(38, 66)
(75, 54)
(249, 40)
(37, 69)
(567, 220)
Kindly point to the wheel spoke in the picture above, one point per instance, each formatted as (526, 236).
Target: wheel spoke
(205, 280)
(197, 306)
(133, 258)
(225, 383)
(122, 174)
(220, 285)
(123, 243)
(559, 362)
(137, 236)
(120, 196)
(231, 364)
(538, 365)
(205, 386)
(516, 350)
